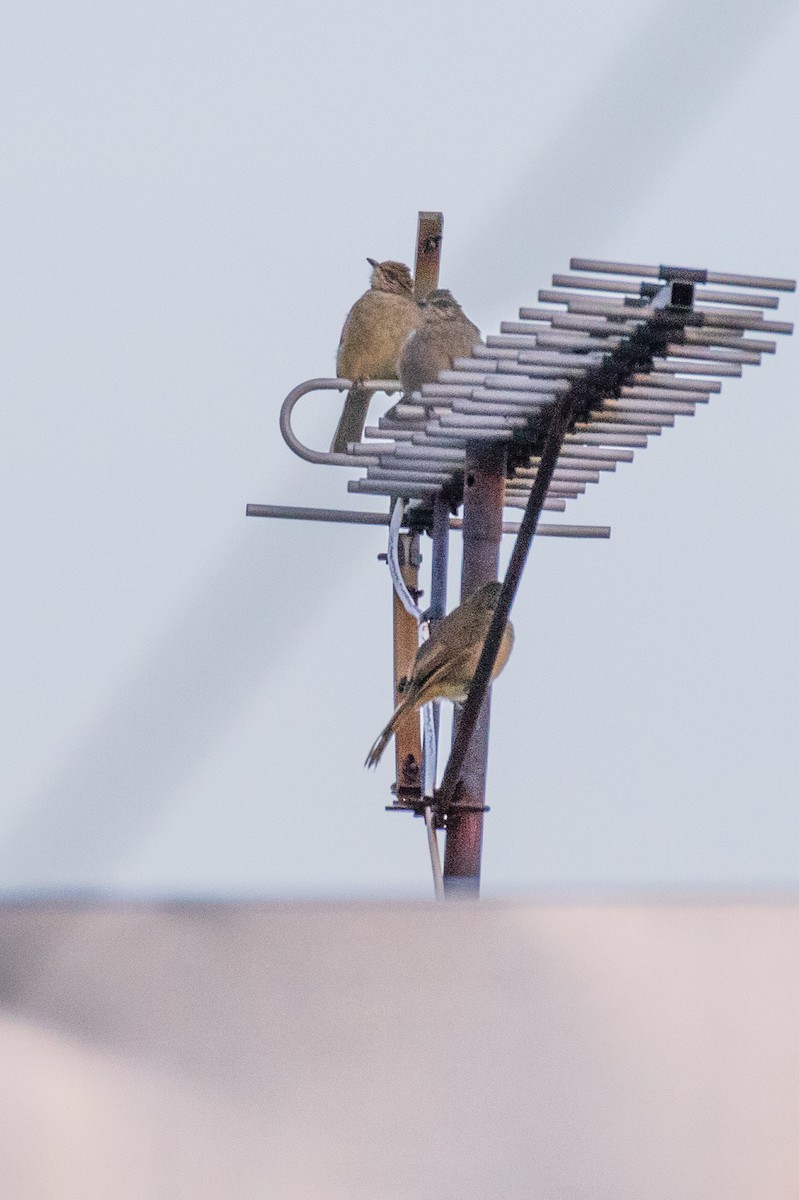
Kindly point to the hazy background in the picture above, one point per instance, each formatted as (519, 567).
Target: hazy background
(190, 191)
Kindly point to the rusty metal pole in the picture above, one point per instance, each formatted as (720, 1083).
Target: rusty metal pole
(483, 496)
(429, 232)
(407, 742)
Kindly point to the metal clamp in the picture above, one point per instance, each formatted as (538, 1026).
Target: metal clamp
(326, 457)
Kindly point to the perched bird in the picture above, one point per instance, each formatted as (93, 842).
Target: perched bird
(374, 333)
(445, 664)
(445, 333)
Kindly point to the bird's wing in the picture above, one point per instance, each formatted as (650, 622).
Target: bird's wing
(464, 625)
(447, 678)
(430, 655)
(460, 631)
(456, 669)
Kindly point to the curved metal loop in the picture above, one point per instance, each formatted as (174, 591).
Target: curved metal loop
(326, 457)
(400, 587)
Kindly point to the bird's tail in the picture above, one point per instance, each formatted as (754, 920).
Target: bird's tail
(376, 753)
(352, 419)
(405, 705)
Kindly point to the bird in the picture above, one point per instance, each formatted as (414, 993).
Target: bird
(445, 664)
(374, 333)
(445, 333)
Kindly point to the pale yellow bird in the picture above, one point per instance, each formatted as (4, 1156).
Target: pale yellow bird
(445, 664)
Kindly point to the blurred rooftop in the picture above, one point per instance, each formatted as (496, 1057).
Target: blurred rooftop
(640, 1051)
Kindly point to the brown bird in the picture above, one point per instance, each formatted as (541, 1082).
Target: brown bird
(445, 664)
(445, 333)
(374, 333)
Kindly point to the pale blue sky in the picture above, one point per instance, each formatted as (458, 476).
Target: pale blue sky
(190, 194)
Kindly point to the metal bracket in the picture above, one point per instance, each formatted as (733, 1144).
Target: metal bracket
(676, 294)
(418, 807)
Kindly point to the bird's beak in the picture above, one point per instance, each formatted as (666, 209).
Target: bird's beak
(373, 262)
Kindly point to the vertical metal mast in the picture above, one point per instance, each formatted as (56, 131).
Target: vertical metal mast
(483, 499)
